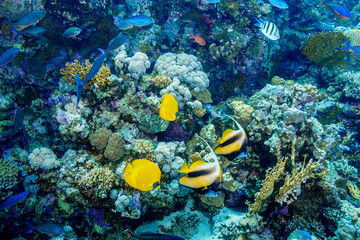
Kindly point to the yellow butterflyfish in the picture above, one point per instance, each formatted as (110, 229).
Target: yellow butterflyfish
(143, 175)
(231, 141)
(201, 174)
(169, 108)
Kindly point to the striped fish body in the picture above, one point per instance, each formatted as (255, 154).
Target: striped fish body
(269, 29)
(231, 142)
(200, 174)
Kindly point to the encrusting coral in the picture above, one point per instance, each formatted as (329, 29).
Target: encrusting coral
(76, 67)
(322, 48)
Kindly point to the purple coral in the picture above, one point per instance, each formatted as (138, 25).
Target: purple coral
(98, 214)
(175, 132)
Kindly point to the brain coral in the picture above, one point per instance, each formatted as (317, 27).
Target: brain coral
(115, 147)
(100, 138)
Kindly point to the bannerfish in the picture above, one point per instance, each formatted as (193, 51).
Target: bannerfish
(29, 19)
(198, 39)
(142, 174)
(31, 31)
(72, 32)
(151, 236)
(13, 200)
(231, 141)
(355, 49)
(93, 71)
(8, 56)
(210, 1)
(337, 9)
(49, 228)
(138, 21)
(201, 174)
(169, 108)
(116, 42)
(269, 29)
(279, 4)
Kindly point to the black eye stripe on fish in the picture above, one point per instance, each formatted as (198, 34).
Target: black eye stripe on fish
(199, 173)
(231, 140)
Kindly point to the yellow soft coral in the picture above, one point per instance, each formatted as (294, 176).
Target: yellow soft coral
(267, 188)
(354, 191)
(101, 78)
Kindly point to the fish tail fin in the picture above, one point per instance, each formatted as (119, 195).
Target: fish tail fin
(32, 227)
(101, 50)
(258, 24)
(184, 168)
(122, 21)
(347, 45)
(12, 26)
(129, 234)
(320, 4)
(17, 33)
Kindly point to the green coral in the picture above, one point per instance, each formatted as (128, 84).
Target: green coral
(8, 174)
(324, 49)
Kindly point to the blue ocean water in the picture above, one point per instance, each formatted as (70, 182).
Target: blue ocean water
(193, 119)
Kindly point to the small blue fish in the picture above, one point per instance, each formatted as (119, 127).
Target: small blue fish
(8, 56)
(93, 71)
(242, 155)
(337, 9)
(355, 49)
(13, 200)
(210, 1)
(116, 43)
(29, 19)
(49, 228)
(279, 3)
(212, 193)
(72, 32)
(138, 21)
(269, 29)
(31, 31)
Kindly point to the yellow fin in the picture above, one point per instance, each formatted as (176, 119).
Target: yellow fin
(184, 168)
(225, 135)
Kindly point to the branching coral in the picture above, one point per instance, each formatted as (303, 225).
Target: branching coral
(267, 188)
(143, 146)
(323, 48)
(76, 67)
(99, 179)
(354, 191)
(291, 187)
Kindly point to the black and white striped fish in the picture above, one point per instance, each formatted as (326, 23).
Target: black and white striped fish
(269, 29)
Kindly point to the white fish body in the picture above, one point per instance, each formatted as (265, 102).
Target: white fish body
(269, 29)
